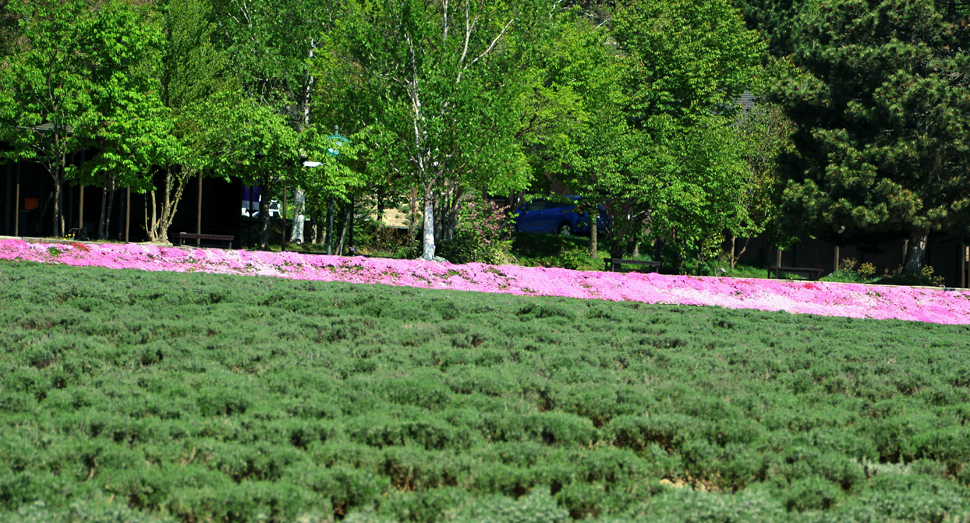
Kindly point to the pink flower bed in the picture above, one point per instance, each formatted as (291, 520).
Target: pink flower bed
(827, 299)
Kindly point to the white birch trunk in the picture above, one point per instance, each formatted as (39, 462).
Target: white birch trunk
(299, 216)
(427, 249)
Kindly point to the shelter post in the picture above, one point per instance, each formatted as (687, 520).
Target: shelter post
(80, 212)
(198, 219)
(283, 214)
(16, 220)
(127, 212)
(964, 258)
(6, 221)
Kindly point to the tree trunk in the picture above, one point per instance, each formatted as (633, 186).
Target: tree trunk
(348, 218)
(59, 203)
(413, 216)
(592, 238)
(102, 220)
(381, 193)
(736, 257)
(330, 212)
(734, 260)
(162, 215)
(917, 250)
(57, 209)
(299, 216)
(150, 221)
(351, 218)
(58, 172)
(446, 213)
(427, 247)
(111, 204)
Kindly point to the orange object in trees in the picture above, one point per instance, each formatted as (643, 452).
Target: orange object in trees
(31, 203)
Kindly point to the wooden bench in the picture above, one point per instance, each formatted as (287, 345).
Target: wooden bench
(812, 273)
(215, 237)
(612, 264)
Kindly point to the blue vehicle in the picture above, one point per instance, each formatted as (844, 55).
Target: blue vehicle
(557, 217)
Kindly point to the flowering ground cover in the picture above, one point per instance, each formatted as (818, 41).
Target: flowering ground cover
(822, 298)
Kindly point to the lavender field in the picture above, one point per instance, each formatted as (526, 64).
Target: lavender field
(135, 386)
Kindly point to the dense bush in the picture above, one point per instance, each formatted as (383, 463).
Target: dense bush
(135, 396)
(483, 234)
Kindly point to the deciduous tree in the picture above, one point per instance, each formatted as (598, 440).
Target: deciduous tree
(679, 167)
(126, 123)
(191, 72)
(46, 84)
(446, 77)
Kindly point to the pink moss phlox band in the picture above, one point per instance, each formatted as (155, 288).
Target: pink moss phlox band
(822, 298)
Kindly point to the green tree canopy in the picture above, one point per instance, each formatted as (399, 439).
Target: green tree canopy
(444, 78)
(679, 167)
(126, 122)
(881, 97)
(191, 73)
(45, 86)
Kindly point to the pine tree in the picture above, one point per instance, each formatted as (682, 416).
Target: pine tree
(881, 97)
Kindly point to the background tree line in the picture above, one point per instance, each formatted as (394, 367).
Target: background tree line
(861, 126)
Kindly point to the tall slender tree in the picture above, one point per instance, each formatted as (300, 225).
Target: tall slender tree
(679, 167)
(192, 71)
(271, 47)
(127, 124)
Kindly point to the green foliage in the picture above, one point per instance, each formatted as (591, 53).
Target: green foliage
(482, 234)
(881, 114)
(551, 250)
(47, 79)
(850, 271)
(441, 84)
(126, 123)
(924, 277)
(669, 155)
(158, 396)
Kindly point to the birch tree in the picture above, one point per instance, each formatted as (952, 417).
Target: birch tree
(271, 45)
(446, 76)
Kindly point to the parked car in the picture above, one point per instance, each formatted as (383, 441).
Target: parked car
(558, 217)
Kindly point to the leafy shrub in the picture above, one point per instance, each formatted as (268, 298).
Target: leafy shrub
(482, 234)
(424, 506)
(812, 493)
(686, 505)
(924, 278)
(376, 237)
(536, 507)
(97, 510)
(851, 271)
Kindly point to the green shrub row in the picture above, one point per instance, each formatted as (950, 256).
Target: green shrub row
(158, 397)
